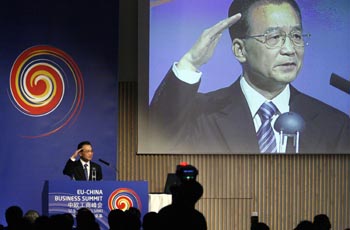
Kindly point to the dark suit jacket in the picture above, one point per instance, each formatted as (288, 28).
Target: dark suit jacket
(75, 170)
(186, 121)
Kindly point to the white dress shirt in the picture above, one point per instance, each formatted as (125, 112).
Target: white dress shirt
(88, 167)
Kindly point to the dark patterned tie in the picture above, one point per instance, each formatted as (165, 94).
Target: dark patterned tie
(86, 171)
(265, 134)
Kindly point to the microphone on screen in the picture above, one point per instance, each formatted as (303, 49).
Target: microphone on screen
(290, 124)
(340, 83)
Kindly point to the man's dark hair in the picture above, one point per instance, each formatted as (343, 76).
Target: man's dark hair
(117, 219)
(241, 28)
(81, 144)
(321, 221)
(13, 215)
(304, 225)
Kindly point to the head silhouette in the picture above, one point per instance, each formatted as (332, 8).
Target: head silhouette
(321, 222)
(13, 215)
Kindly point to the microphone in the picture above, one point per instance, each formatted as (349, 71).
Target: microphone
(340, 83)
(109, 165)
(104, 162)
(290, 124)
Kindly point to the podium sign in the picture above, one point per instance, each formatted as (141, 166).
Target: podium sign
(99, 196)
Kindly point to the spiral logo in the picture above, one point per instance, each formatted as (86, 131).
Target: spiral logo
(123, 199)
(38, 82)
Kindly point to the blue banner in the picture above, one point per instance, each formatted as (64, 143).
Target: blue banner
(100, 197)
(58, 68)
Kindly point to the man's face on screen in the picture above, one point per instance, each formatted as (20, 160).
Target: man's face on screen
(271, 65)
(87, 153)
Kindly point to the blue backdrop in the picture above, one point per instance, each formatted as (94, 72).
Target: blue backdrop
(58, 86)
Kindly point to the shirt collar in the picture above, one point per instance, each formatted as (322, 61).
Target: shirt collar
(83, 163)
(255, 99)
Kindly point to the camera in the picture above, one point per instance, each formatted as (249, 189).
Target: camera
(186, 172)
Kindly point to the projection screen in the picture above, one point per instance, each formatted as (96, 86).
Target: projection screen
(169, 28)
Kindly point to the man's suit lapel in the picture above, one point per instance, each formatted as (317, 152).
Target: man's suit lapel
(80, 170)
(240, 134)
(310, 135)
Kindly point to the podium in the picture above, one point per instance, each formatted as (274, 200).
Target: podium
(99, 196)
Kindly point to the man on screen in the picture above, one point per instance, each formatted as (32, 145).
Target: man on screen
(84, 168)
(268, 41)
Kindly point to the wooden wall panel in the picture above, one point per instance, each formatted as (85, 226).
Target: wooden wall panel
(283, 189)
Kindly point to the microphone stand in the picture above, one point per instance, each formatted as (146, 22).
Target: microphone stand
(295, 140)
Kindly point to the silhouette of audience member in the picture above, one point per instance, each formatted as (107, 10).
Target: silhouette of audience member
(29, 219)
(68, 219)
(150, 221)
(321, 222)
(181, 213)
(304, 225)
(260, 226)
(42, 223)
(62, 221)
(14, 218)
(30, 216)
(133, 218)
(117, 220)
(86, 220)
(134, 211)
